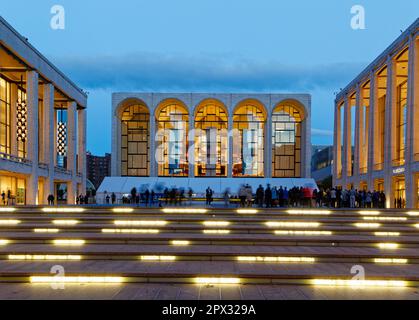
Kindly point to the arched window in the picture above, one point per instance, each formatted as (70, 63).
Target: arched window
(135, 137)
(248, 140)
(211, 139)
(286, 141)
(172, 139)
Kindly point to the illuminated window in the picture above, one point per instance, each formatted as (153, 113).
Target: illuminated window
(135, 139)
(248, 140)
(380, 121)
(5, 116)
(364, 126)
(286, 142)
(21, 123)
(211, 139)
(352, 108)
(172, 139)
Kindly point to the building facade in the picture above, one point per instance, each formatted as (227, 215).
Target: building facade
(377, 115)
(191, 135)
(42, 126)
(321, 163)
(98, 168)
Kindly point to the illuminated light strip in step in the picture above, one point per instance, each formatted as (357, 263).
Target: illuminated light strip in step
(76, 280)
(46, 230)
(390, 246)
(65, 222)
(276, 259)
(216, 280)
(369, 213)
(416, 226)
(387, 234)
(9, 222)
(128, 231)
(7, 209)
(367, 225)
(158, 258)
(139, 223)
(272, 224)
(390, 261)
(63, 210)
(4, 242)
(385, 218)
(168, 210)
(69, 242)
(216, 223)
(359, 283)
(43, 257)
(302, 233)
(180, 242)
(247, 211)
(413, 213)
(309, 212)
(220, 231)
(122, 210)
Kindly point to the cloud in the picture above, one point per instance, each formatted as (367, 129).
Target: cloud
(321, 132)
(223, 73)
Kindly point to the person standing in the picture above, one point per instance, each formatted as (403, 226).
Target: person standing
(3, 198)
(259, 196)
(268, 196)
(113, 198)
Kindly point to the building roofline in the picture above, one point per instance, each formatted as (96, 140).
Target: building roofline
(377, 62)
(44, 60)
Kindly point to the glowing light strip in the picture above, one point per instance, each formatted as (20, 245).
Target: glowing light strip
(309, 212)
(303, 233)
(413, 213)
(208, 281)
(7, 209)
(81, 279)
(276, 259)
(158, 258)
(180, 242)
(247, 211)
(391, 261)
(42, 257)
(63, 210)
(169, 210)
(139, 223)
(367, 225)
(385, 218)
(122, 210)
(216, 231)
(46, 230)
(416, 226)
(272, 224)
(4, 242)
(69, 242)
(216, 223)
(387, 234)
(359, 283)
(369, 213)
(9, 222)
(127, 231)
(391, 246)
(65, 222)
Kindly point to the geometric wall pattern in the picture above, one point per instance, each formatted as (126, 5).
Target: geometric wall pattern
(21, 123)
(62, 139)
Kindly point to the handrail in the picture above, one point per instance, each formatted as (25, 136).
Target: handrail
(15, 158)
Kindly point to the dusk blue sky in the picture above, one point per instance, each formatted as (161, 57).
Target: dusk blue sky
(210, 46)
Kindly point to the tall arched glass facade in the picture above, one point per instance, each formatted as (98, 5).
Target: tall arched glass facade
(286, 142)
(248, 140)
(135, 137)
(211, 139)
(172, 123)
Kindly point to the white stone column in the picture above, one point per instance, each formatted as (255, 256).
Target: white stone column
(306, 145)
(230, 146)
(32, 138)
(389, 135)
(49, 134)
(191, 146)
(71, 151)
(411, 197)
(415, 97)
(268, 146)
(346, 157)
(82, 137)
(358, 135)
(153, 160)
(372, 129)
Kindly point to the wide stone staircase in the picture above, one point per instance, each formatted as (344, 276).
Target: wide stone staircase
(316, 247)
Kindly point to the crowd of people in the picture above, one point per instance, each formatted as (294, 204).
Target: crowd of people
(6, 198)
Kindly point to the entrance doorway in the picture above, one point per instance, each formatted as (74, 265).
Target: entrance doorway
(399, 192)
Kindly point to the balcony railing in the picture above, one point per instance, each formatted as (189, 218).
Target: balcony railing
(63, 170)
(378, 166)
(43, 166)
(14, 158)
(363, 170)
